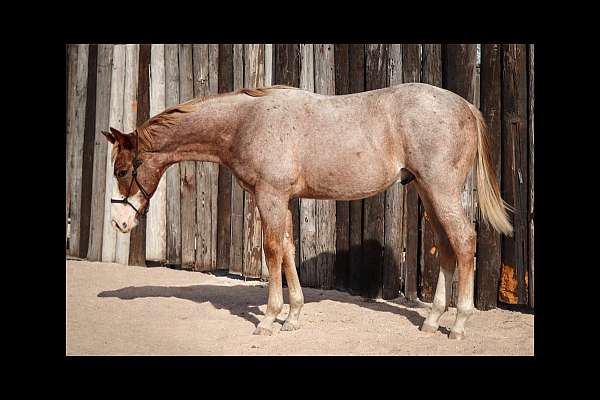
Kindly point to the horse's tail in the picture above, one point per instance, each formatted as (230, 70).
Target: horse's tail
(492, 208)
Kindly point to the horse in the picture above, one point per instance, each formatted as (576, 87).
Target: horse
(282, 143)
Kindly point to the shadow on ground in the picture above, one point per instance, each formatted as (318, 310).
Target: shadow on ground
(243, 301)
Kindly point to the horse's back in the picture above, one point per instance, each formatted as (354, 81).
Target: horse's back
(349, 146)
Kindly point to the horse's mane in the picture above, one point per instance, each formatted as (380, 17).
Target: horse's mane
(168, 117)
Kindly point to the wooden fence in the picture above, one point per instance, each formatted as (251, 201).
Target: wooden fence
(200, 219)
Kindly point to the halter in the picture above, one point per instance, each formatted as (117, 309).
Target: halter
(136, 163)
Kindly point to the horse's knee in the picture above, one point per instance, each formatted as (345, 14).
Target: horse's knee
(273, 247)
(288, 245)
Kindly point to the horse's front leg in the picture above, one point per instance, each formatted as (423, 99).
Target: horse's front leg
(273, 207)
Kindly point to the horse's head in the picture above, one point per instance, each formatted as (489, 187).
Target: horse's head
(136, 174)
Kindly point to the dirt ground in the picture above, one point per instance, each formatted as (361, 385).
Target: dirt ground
(123, 310)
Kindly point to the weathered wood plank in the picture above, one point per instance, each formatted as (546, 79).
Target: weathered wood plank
(129, 124)
(104, 72)
(254, 74)
(374, 207)
(77, 112)
(268, 64)
(307, 271)
(173, 191)
(411, 72)
(514, 162)
(137, 244)
(268, 82)
(70, 128)
(187, 168)
(87, 163)
(459, 72)
(342, 211)
(487, 272)
(237, 193)
(225, 85)
(431, 74)
(156, 235)
(286, 71)
(531, 191)
(71, 84)
(356, 78)
(394, 196)
(115, 120)
(204, 187)
(213, 168)
(324, 67)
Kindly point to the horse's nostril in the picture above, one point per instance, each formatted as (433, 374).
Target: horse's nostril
(124, 225)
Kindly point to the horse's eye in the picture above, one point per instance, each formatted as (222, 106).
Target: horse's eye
(121, 173)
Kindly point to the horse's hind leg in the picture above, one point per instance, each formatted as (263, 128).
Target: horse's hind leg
(447, 266)
(272, 206)
(291, 276)
(461, 236)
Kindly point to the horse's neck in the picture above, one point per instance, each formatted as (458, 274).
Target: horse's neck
(203, 134)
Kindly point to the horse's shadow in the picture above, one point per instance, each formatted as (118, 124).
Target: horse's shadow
(244, 300)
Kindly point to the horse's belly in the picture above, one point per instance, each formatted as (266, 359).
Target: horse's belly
(350, 181)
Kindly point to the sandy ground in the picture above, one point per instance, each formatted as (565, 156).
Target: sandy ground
(123, 310)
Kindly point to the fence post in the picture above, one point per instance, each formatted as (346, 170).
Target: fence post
(430, 267)
(374, 207)
(531, 207)
(173, 173)
(104, 72)
(254, 70)
(204, 189)
(156, 235)
(70, 131)
(115, 120)
(188, 168)
(129, 123)
(224, 210)
(488, 240)
(394, 196)
(237, 194)
(325, 209)
(411, 72)
(342, 210)
(514, 170)
(268, 82)
(356, 78)
(213, 86)
(137, 244)
(307, 270)
(87, 163)
(77, 114)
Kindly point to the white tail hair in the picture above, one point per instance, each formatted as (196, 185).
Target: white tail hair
(492, 208)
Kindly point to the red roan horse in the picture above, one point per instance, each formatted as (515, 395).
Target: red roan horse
(283, 143)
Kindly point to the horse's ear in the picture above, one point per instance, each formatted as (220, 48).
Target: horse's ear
(115, 131)
(109, 137)
(123, 139)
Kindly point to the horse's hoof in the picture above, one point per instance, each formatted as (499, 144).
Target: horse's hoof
(290, 326)
(429, 328)
(262, 331)
(456, 335)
